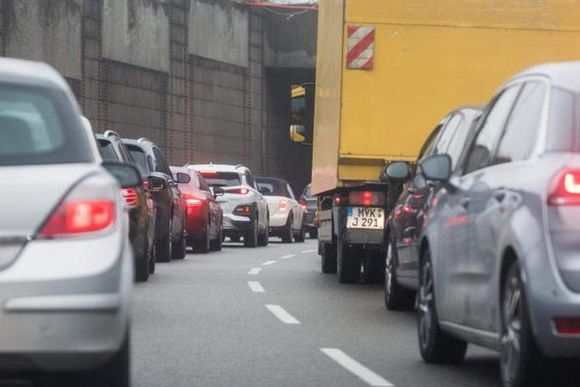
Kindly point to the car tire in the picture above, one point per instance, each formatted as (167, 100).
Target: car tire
(178, 247)
(264, 239)
(313, 234)
(116, 372)
(435, 345)
(328, 258)
(216, 245)
(287, 232)
(142, 265)
(396, 297)
(163, 249)
(300, 236)
(526, 368)
(251, 237)
(347, 263)
(202, 245)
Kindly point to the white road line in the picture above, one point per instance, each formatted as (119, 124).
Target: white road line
(255, 271)
(309, 251)
(356, 368)
(256, 287)
(268, 263)
(288, 256)
(282, 315)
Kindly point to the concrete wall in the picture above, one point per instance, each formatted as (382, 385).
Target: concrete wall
(137, 32)
(219, 31)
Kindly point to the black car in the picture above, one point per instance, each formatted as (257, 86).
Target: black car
(140, 204)
(405, 223)
(310, 204)
(170, 232)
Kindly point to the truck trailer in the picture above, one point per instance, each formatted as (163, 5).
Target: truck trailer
(387, 72)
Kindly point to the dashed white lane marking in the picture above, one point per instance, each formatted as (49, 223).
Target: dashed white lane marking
(309, 251)
(268, 263)
(282, 315)
(356, 368)
(255, 271)
(256, 287)
(288, 256)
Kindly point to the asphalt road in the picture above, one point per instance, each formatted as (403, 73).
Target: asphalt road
(216, 320)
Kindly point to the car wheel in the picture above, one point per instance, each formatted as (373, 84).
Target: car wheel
(313, 234)
(202, 245)
(300, 236)
(520, 361)
(114, 373)
(164, 249)
(153, 260)
(435, 345)
(216, 245)
(264, 239)
(396, 297)
(251, 237)
(328, 258)
(348, 265)
(287, 232)
(142, 265)
(178, 248)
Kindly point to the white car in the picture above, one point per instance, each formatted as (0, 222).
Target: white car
(66, 265)
(286, 213)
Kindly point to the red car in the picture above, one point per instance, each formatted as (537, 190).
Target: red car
(203, 213)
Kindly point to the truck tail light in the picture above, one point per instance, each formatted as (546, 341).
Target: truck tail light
(283, 205)
(567, 326)
(566, 189)
(131, 197)
(366, 198)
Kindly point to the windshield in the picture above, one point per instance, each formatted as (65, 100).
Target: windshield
(34, 129)
(222, 179)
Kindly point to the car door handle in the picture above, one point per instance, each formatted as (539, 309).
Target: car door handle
(465, 203)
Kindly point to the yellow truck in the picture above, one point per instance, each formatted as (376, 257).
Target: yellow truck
(387, 72)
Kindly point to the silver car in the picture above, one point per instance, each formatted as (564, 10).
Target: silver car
(500, 255)
(65, 262)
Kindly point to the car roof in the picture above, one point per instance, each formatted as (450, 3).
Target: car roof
(30, 73)
(271, 179)
(217, 167)
(565, 75)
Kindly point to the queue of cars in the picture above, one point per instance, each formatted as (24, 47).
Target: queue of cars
(110, 209)
(484, 238)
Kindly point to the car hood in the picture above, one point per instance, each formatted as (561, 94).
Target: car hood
(28, 196)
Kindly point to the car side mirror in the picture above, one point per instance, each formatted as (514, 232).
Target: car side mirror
(182, 178)
(126, 174)
(398, 171)
(157, 182)
(218, 191)
(436, 167)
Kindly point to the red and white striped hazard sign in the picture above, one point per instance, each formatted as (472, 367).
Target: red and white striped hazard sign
(360, 47)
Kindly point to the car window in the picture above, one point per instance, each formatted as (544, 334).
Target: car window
(221, 179)
(140, 159)
(202, 183)
(125, 155)
(250, 179)
(160, 163)
(107, 150)
(307, 191)
(457, 144)
(36, 127)
(447, 133)
(194, 180)
(290, 192)
(482, 147)
(522, 129)
(429, 143)
(274, 187)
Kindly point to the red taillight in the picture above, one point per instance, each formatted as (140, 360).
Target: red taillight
(566, 189)
(283, 205)
(131, 197)
(192, 201)
(366, 198)
(239, 191)
(567, 326)
(78, 217)
(303, 205)
(146, 184)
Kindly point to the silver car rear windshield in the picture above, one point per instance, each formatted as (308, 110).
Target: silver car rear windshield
(221, 179)
(37, 126)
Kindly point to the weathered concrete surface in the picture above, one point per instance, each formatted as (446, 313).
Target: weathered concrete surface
(218, 30)
(137, 32)
(47, 31)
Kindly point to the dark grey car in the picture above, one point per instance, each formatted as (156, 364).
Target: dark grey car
(500, 256)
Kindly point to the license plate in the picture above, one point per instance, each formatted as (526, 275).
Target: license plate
(365, 218)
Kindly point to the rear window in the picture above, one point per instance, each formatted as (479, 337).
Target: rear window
(222, 179)
(273, 188)
(39, 126)
(140, 159)
(107, 151)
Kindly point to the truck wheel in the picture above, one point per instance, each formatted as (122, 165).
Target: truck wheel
(396, 297)
(348, 265)
(328, 258)
(287, 233)
(313, 234)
